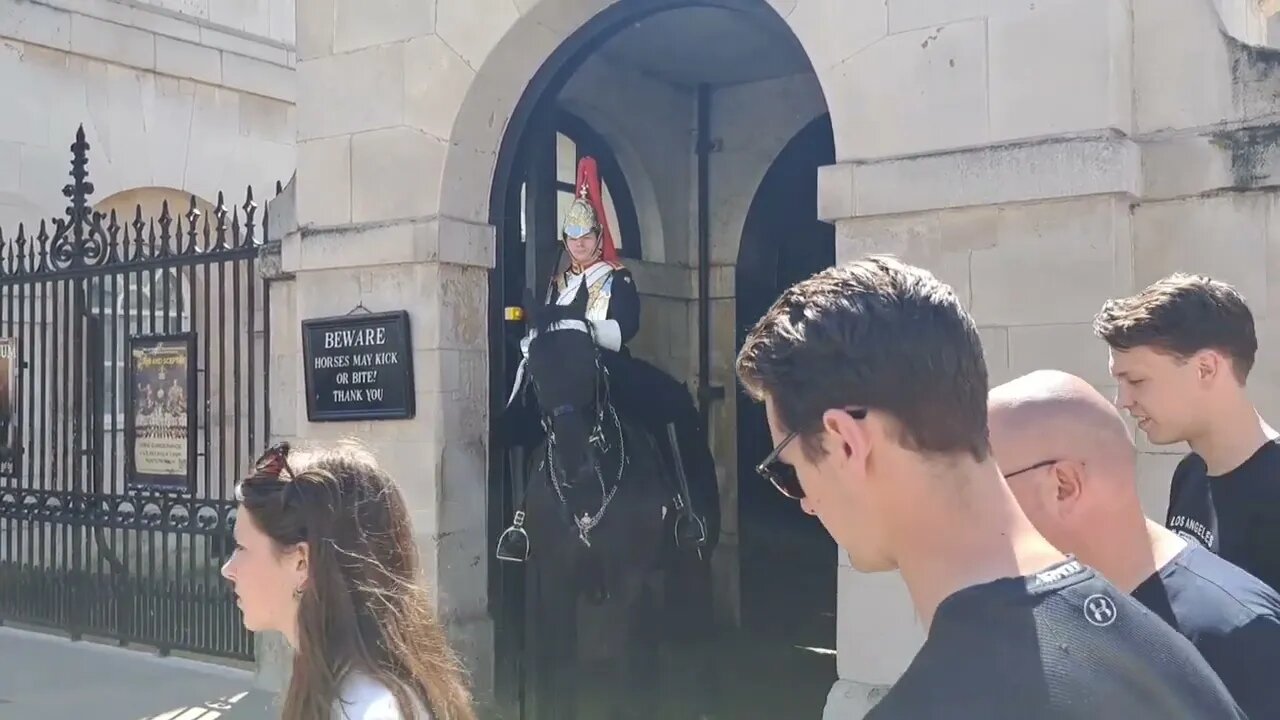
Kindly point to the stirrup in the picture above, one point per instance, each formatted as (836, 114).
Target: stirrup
(692, 527)
(513, 543)
(689, 526)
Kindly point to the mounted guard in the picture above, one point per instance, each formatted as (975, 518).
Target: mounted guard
(639, 391)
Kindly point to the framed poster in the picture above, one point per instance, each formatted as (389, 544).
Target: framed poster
(160, 420)
(9, 450)
(358, 367)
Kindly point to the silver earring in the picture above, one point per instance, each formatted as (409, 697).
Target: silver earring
(297, 593)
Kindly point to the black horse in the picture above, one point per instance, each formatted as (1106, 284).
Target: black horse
(600, 516)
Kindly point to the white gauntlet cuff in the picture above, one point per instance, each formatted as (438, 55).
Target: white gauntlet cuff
(608, 334)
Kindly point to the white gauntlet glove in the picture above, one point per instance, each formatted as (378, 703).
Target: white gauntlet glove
(608, 334)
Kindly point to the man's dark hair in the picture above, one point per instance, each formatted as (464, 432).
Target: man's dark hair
(874, 333)
(1180, 316)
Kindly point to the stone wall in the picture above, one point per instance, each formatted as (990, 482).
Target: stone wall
(1089, 165)
(1002, 144)
(167, 99)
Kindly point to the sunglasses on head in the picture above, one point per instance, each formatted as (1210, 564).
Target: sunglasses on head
(783, 475)
(272, 462)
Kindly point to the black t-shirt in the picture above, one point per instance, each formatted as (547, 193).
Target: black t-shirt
(1063, 644)
(1232, 617)
(1236, 515)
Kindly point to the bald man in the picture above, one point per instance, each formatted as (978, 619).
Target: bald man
(1070, 461)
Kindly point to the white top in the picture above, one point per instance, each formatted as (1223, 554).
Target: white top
(363, 698)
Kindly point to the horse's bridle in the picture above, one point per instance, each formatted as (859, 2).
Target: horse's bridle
(596, 437)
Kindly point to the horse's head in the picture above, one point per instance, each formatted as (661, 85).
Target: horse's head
(565, 371)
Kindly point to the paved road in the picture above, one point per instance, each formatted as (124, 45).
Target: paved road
(47, 677)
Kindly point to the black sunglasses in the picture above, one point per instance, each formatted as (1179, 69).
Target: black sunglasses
(783, 475)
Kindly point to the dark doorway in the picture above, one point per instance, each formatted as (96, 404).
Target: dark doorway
(788, 560)
(530, 185)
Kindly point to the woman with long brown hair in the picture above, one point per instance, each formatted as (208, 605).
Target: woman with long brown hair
(325, 555)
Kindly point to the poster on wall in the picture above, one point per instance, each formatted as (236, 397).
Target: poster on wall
(9, 450)
(160, 419)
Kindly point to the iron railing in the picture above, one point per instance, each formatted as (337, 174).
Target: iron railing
(83, 546)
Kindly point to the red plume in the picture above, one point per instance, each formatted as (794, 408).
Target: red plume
(589, 185)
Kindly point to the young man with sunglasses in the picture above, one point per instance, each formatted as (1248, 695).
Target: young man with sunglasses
(1073, 468)
(1181, 351)
(875, 389)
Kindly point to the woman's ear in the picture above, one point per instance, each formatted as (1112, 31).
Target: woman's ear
(298, 563)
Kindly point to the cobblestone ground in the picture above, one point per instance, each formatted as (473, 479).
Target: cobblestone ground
(48, 677)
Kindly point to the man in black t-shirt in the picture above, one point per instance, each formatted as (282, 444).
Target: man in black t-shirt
(1181, 351)
(1070, 461)
(875, 391)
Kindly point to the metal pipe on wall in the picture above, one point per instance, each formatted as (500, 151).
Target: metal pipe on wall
(706, 393)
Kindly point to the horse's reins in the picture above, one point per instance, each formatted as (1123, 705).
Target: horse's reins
(596, 437)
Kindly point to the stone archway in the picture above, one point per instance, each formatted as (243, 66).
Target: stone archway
(486, 142)
(518, 56)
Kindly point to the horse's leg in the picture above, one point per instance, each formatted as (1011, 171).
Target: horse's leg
(537, 666)
(643, 665)
(557, 639)
(689, 618)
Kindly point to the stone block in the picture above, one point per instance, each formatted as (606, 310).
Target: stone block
(1240, 18)
(910, 93)
(436, 82)
(1071, 348)
(1223, 236)
(836, 195)
(324, 181)
(1181, 166)
(192, 8)
(1181, 65)
(264, 50)
(267, 119)
(351, 93)
(315, 27)
(916, 14)
(283, 21)
(360, 24)
(35, 24)
(1255, 85)
(833, 32)
(474, 27)
(1155, 473)
(995, 352)
(188, 60)
(1039, 170)
(1264, 379)
(114, 43)
(251, 16)
(256, 76)
(41, 173)
(142, 17)
(877, 632)
(1060, 66)
(10, 168)
(461, 243)
(464, 294)
(916, 239)
(1038, 245)
(395, 173)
